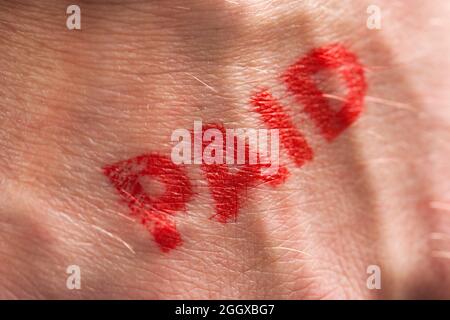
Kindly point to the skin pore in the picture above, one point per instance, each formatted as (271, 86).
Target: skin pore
(73, 102)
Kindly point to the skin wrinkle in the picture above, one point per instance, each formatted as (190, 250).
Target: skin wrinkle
(251, 251)
(249, 206)
(420, 185)
(26, 264)
(116, 95)
(350, 153)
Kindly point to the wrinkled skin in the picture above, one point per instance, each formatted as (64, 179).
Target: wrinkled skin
(74, 101)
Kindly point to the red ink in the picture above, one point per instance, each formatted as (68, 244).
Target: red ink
(153, 212)
(227, 188)
(299, 80)
(274, 117)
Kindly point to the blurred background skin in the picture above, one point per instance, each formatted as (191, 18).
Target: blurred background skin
(74, 101)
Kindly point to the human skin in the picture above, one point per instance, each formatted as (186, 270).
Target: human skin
(75, 101)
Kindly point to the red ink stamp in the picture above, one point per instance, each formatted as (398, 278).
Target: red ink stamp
(228, 186)
(153, 213)
(274, 116)
(300, 81)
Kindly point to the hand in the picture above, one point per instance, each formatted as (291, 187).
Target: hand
(75, 102)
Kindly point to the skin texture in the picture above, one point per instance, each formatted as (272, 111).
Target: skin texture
(75, 101)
